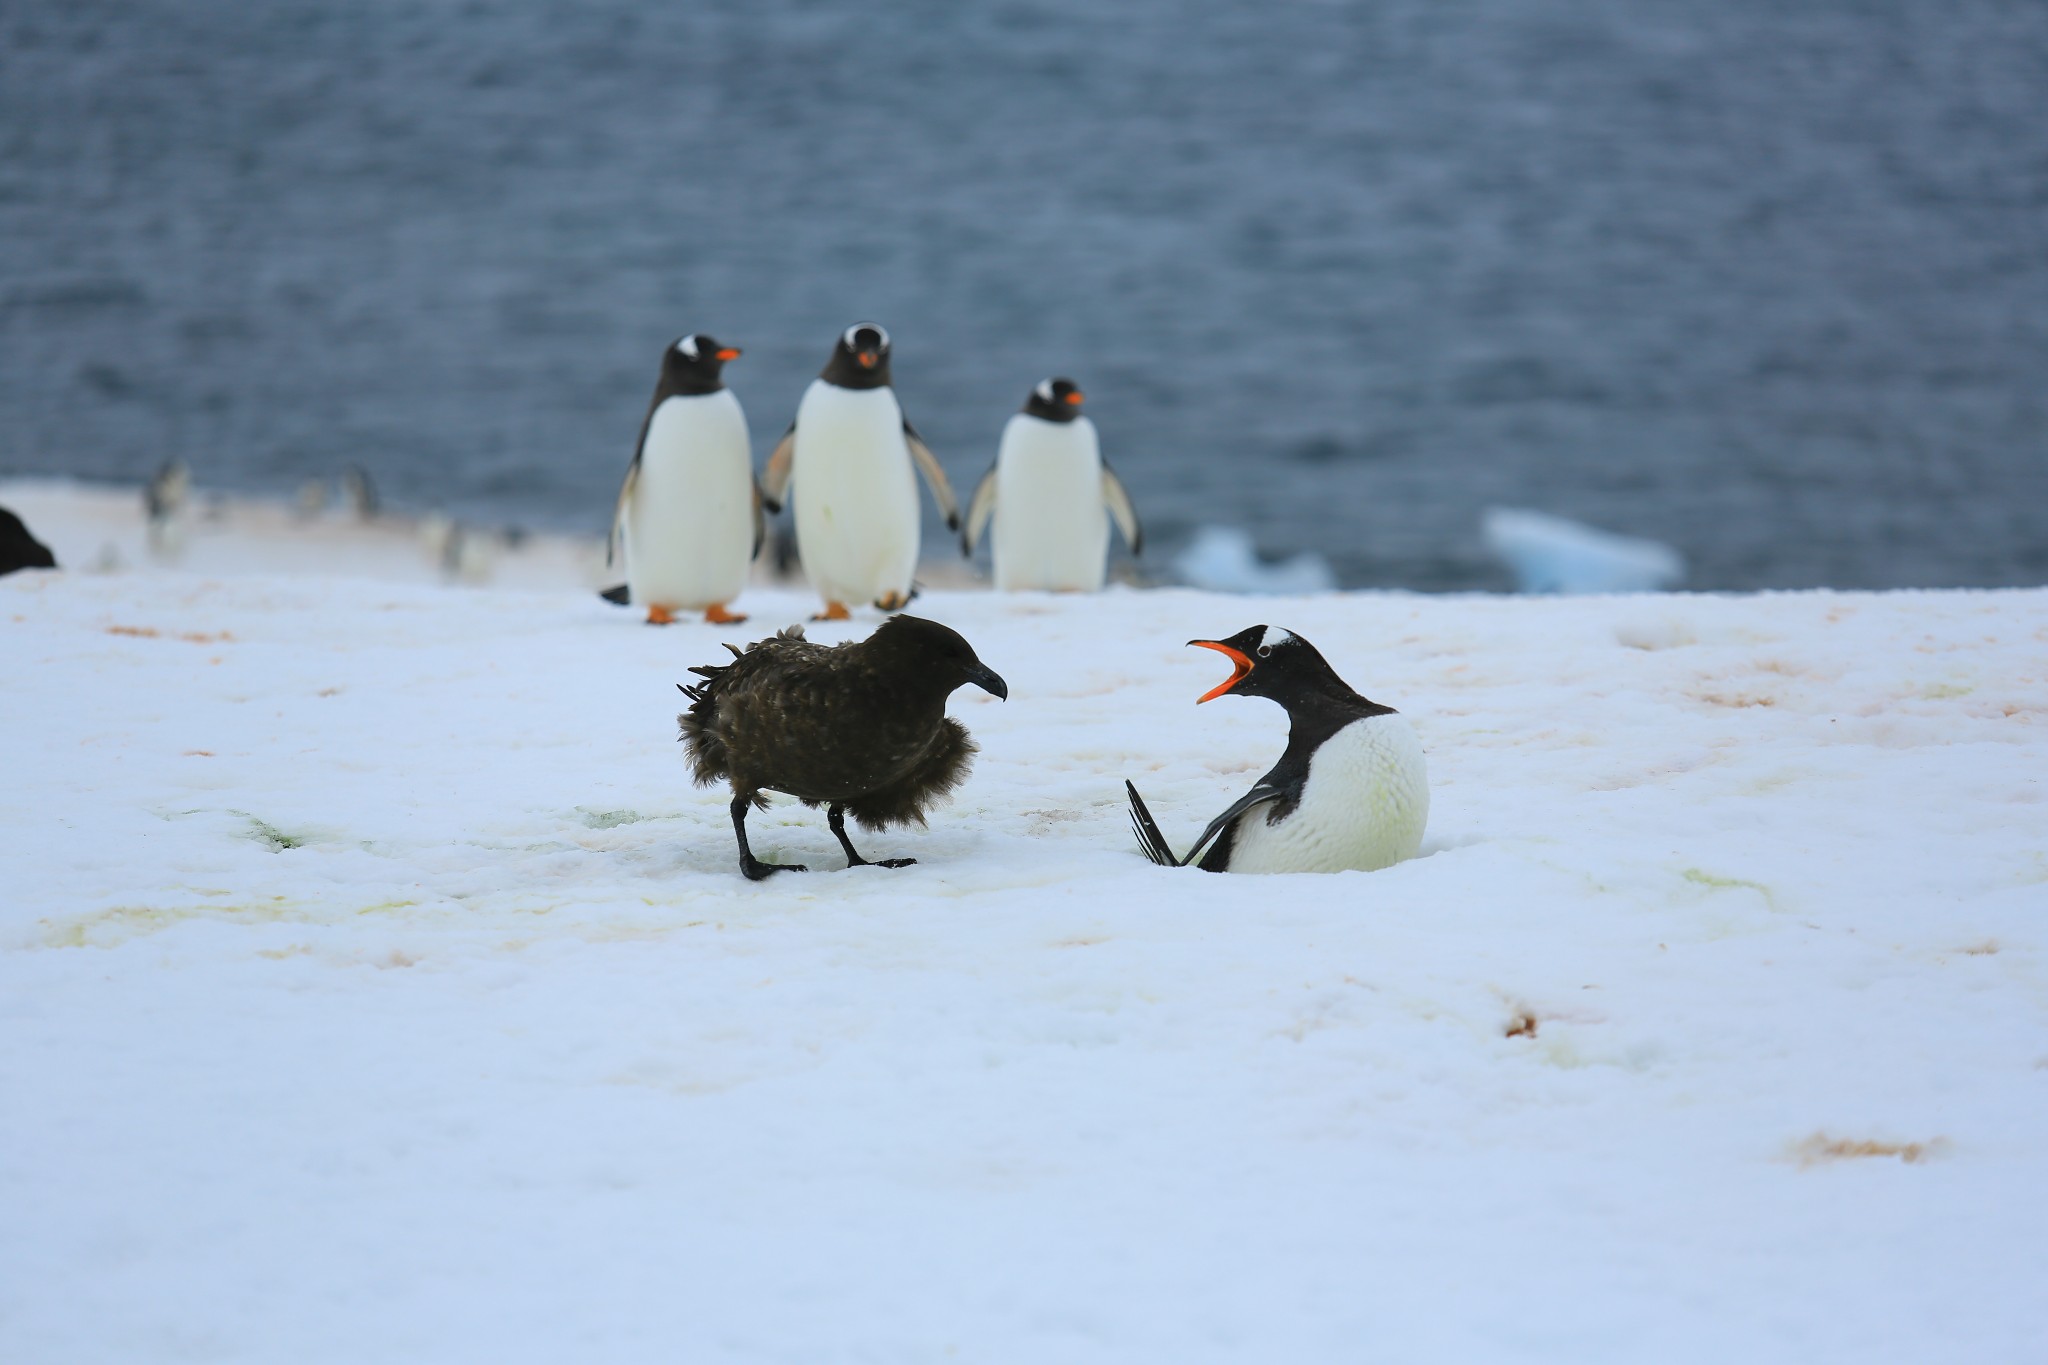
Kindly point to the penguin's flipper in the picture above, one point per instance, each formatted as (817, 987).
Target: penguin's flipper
(928, 464)
(619, 596)
(760, 525)
(1257, 796)
(1119, 503)
(979, 510)
(774, 483)
(611, 542)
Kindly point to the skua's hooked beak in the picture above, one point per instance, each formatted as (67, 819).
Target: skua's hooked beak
(986, 678)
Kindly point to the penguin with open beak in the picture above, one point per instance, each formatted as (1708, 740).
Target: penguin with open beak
(1350, 792)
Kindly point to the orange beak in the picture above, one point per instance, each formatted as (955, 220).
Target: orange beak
(867, 359)
(1075, 398)
(1240, 663)
(729, 353)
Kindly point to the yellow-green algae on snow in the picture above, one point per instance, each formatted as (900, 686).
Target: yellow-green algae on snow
(122, 923)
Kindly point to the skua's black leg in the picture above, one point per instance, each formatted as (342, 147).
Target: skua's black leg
(835, 816)
(749, 864)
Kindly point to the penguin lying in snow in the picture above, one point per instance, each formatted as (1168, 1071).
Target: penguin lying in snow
(1046, 491)
(857, 728)
(1350, 792)
(849, 455)
(689, 510)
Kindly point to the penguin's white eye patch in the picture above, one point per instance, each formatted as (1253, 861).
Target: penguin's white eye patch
(853, 333)
(1044, 390)
(1273, 638)
(688, 346)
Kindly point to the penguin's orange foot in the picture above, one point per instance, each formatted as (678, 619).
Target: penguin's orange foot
(893, 601)
(717, 615)
(834, 611)
(658, 615)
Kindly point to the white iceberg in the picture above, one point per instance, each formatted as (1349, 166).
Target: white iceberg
(1223, 559)
(1550, 554)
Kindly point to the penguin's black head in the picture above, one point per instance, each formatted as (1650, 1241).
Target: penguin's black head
(696, 364)
(929, 654)
(861, 358)
(1055, 400)
(1270, 662)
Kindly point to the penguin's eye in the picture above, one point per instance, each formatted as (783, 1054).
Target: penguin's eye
(1265, 651)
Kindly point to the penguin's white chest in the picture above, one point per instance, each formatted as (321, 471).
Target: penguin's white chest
(856, 497)
(1051, 530)
(690, 524)
(1363, 807)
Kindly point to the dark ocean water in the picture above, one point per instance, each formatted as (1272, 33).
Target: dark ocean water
(1768, 281)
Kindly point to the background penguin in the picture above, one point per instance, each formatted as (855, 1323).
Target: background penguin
(689, 508)
(19, 549)
(1046, 490)
(1350, 792)
(848, 456)
(859, 728)
(163, 502)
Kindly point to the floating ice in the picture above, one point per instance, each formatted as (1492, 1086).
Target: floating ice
(1551, 554)
(1223, 559)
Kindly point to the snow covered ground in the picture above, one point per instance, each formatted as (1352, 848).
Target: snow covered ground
(375, 987)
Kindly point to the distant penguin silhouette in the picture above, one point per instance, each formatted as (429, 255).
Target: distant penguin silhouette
(848, 458)
(163, 500)
(360, 490)
(1351, 791)
(1046, 492)
(689, 513)
(19, 549)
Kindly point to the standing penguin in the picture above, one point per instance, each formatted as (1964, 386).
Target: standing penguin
(1046, 491)
(1351, 791)
(689, 509)
(848, 456)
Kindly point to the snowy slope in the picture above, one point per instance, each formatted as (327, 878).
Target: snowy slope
(375, 987)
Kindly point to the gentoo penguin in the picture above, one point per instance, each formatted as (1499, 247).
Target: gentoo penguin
(163, 500)
(1350, 792)
(360, 491)
(857, 728)
(848, 455)
(19, 549)
(689, 508)
(1046, 491)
